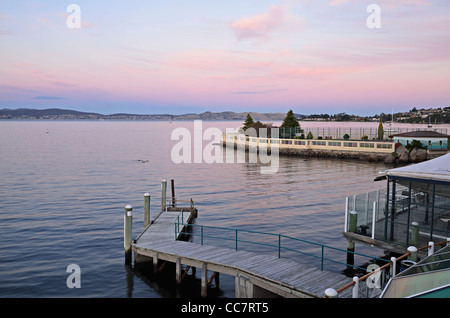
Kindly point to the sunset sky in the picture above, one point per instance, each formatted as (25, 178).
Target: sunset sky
(183, 56)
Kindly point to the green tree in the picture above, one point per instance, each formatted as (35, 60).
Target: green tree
(248, 122)
(290, 126)
(310, 136)
(290, 121)
(415, 144)
(380, 130)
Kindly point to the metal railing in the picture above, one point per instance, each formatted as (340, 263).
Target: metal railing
(176, 202)
(290, 247)
(413, 205)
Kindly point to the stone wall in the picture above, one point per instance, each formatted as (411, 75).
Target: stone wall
(401, 155)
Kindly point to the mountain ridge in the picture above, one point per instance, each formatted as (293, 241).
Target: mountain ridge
(58, 113)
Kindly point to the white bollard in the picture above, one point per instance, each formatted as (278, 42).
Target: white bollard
(394, 266)
(413, 251)
(331, 293)
(430, 248)
(355, 291)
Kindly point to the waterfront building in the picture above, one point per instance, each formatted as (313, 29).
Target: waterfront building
(433, 140)
(413, 210)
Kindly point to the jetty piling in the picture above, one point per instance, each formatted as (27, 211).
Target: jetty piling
(173, 192)
(147, 209)
(128, 229)
(163, 194)
(350, 243)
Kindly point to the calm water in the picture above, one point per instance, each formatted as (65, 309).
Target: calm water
(64, 186)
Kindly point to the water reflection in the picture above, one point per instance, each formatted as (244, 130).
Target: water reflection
(163, 282)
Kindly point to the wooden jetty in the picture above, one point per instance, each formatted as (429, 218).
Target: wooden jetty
(256, 275)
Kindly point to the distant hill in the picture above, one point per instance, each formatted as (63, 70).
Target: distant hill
(56, 113)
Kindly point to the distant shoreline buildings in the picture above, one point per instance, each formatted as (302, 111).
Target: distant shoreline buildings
(416, 116)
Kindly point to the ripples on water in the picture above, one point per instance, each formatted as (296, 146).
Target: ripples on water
(63, 193)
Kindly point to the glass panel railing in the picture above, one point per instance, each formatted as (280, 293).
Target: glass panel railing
(406, 286)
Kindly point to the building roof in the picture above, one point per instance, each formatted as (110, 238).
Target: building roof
(422, 133)
(438, 168)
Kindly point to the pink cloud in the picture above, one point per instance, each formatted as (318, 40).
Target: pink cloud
(260, 26)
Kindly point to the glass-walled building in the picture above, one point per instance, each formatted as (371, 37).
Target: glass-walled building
(418, 195)
(412, 210)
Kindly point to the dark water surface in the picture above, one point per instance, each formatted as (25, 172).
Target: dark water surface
(64, 186)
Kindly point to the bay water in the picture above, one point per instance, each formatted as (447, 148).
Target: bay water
(64, 186)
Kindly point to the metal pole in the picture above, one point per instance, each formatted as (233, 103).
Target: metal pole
(433, 196)
(374, 218)
(173, 192)
(409, 217)
(386, 210)
(393, 210)
(346, 215)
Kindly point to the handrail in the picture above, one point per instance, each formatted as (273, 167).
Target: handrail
(353, 282)
(278, 245)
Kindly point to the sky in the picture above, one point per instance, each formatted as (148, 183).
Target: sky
(191, 56)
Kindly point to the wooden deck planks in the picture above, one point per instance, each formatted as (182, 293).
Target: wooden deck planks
(160, 238)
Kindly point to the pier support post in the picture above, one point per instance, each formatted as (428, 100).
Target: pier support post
(163, 194)
(146, 209)
(204, 291)
(414, 233)
(178, 270)
(350, 244)
(413, 255)
(172, 182)
(127, 231)
(155, 262)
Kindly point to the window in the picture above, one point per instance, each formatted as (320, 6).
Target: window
(366, 145)
(319, 143)
(350, 144)
(274, 141)
(299, 142)
(334, 143)
(384, 146)
(286, 142)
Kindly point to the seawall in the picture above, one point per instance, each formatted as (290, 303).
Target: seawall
(372, 151)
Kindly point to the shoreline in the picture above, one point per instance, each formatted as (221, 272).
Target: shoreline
(372, 151)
